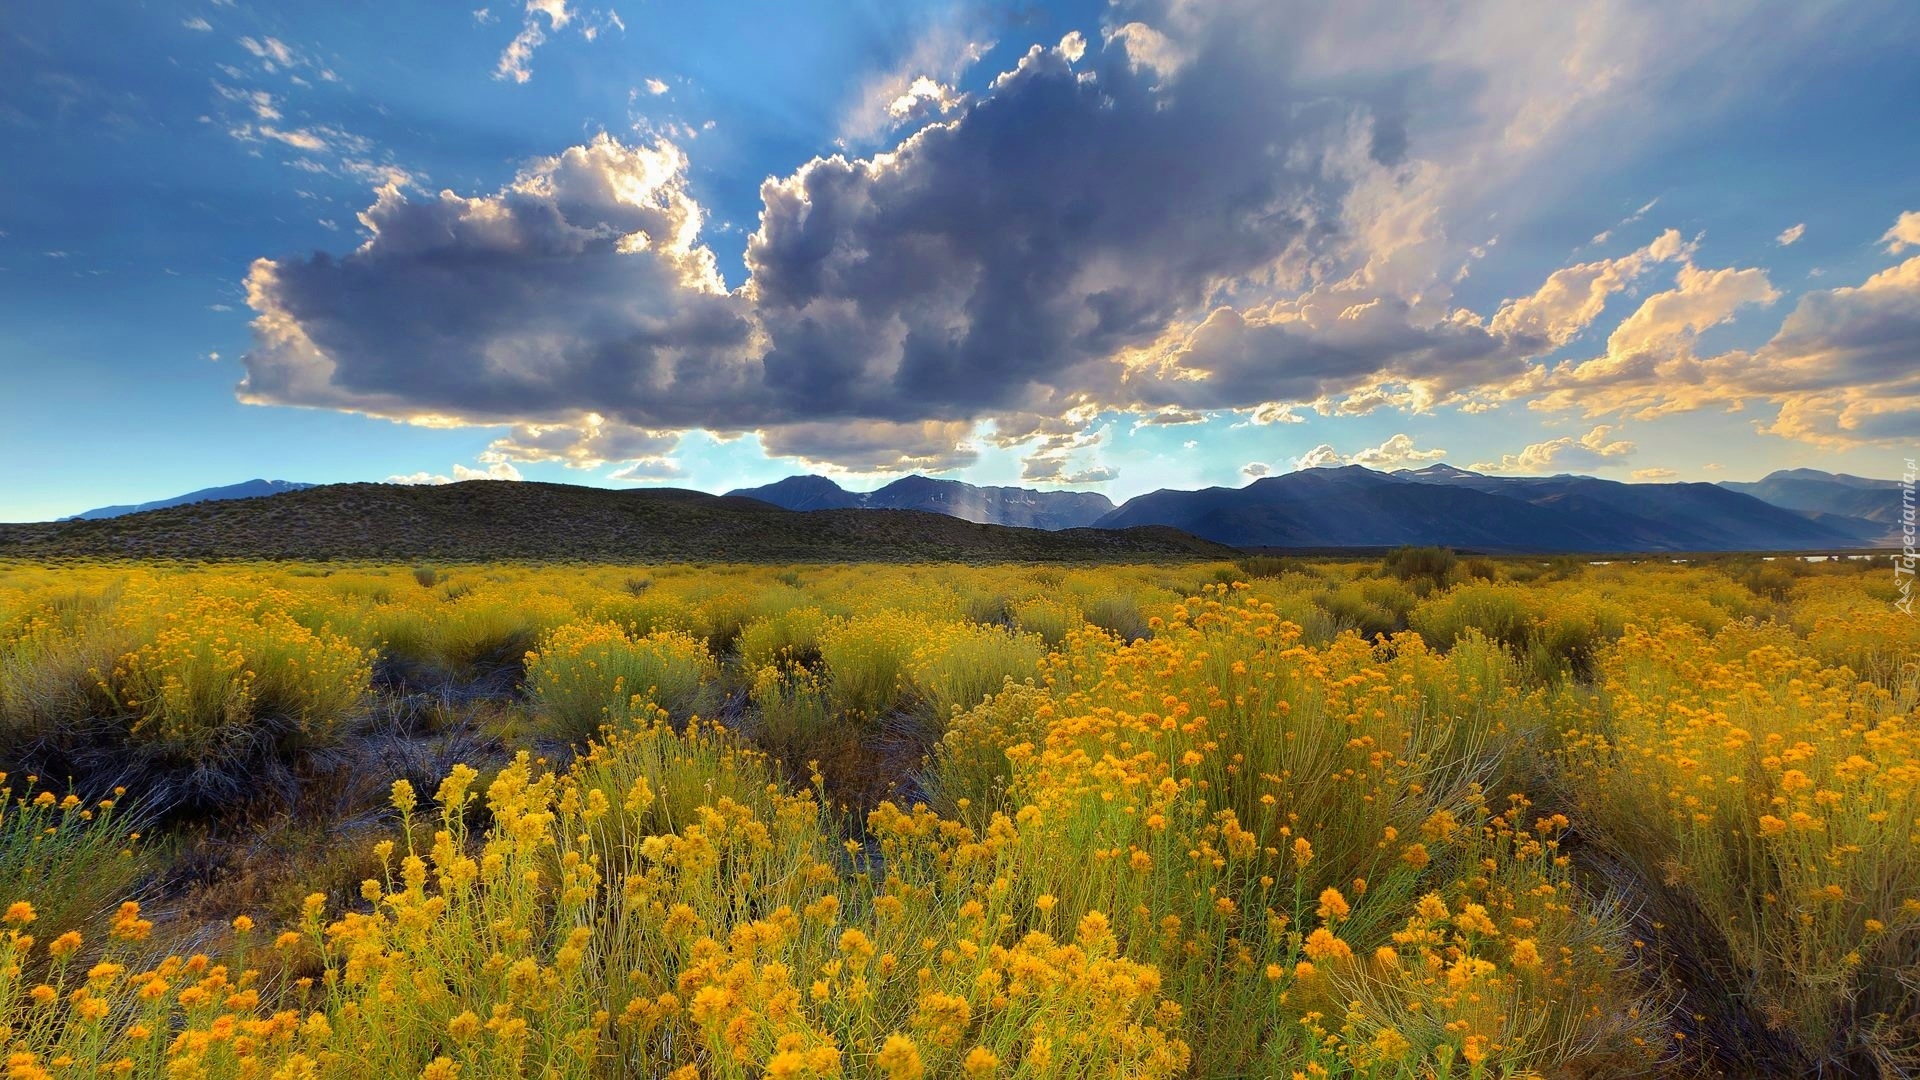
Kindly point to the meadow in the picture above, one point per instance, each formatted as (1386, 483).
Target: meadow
(1416, 817)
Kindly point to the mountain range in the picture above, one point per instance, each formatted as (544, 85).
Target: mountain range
(1827, 493)
(1026, 508)
(1353, 506)
(248, 489)
(1340, 507)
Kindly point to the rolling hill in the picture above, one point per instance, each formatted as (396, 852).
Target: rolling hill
(485, 520)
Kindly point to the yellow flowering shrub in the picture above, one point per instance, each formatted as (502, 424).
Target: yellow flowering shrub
(1617, 820)
(590, 673)
(1779, 799)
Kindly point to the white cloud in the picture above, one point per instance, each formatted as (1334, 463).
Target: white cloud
(1645, 369)
(1607, 234)
(1235, 206)
(196, 23)
(919, 86)
(1397, 452)
(586, 442)
(1654, 474)
(1571, 298)
(656, 87)
(1595, 449)
(1904, 234)
(495, 470)
(652, 470)
(1787, 238)
(1254, 470)
(516, 62)
(1320, 457)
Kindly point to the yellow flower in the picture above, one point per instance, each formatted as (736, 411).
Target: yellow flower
(1525, 953)
(980, 1063)
(1322, 945)
(19, 913)
(464, 1027)
(900, 1059)
(1333, 905)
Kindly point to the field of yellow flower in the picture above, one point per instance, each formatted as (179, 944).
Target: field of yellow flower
(1426, 818)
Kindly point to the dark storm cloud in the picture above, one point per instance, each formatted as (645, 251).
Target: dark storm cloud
(991, 264)
(1215, 207)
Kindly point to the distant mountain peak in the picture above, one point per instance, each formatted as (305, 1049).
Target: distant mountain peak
(246, 489)
(1436, 470)
(1024, 507)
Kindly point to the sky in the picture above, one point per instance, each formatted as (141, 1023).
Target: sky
(1100, 246)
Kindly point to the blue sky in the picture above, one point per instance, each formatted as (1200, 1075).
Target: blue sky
(1111, 246)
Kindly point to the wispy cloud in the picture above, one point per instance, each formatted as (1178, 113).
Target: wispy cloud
(1788, 237)
(542, 18)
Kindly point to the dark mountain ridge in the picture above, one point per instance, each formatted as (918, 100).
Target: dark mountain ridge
(489, 520)
(1023, 507)
(1817, 492)
(1352, 506)
(246, 489)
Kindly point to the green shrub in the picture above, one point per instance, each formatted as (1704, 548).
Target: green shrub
(1427, 565)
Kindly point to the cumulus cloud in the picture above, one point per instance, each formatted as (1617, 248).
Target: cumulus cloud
(1572, 297)
(869, 446)
(1788, 237)
(1242, 207)
(579, 288)
(1649, 367)
(1254, 470)
(1320, 457)
(1396, 453)
(1904, 234)
(1056, 471)
(919, 87)
(1839, 370)
(584, 443)
(1596, 449)
(493, 470)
